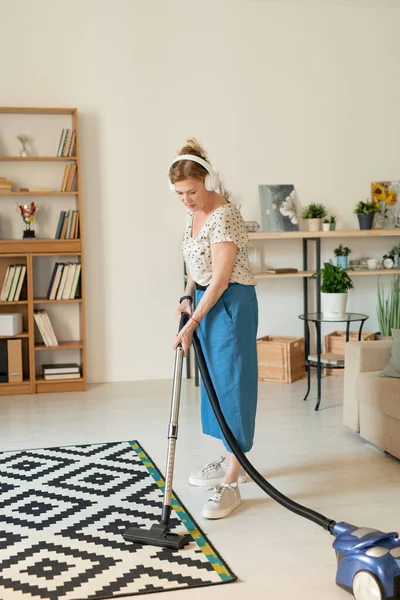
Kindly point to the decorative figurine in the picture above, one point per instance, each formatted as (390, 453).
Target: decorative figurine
(27, 212)
(23, 139)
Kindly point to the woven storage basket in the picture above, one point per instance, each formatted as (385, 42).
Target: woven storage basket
(336, 341)
(280, 358)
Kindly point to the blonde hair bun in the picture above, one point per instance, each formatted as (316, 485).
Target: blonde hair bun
(194, 147)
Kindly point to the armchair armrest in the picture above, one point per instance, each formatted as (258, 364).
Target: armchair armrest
(361, 357)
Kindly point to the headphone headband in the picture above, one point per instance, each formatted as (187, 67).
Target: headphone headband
(212, 179)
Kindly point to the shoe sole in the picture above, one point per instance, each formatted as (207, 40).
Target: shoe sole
(223, 512)
(213, 482)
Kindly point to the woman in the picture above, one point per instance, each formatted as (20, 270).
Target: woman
(226, 317)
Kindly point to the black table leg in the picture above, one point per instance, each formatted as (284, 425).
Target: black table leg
(307, 349)
(360, 330)
(318, 328)
(347, 331)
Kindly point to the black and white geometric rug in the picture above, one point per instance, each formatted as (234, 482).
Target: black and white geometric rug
(62, 514)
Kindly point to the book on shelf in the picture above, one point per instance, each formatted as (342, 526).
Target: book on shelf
(283, 270)
(45, 328)
(328, 358)
(68, 182)
(66, 145)
(68, 225)
(12, 284)
(64, 282)
(61, 371)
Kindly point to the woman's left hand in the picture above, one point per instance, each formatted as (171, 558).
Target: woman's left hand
(184, 337)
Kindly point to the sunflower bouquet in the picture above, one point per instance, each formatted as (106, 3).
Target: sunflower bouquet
(383, 196)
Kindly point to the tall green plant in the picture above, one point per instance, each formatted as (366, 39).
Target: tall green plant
(388, 309)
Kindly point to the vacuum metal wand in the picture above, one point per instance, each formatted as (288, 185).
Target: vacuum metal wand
(160, 534)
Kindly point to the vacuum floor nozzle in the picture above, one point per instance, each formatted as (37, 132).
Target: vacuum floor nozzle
(157, 535)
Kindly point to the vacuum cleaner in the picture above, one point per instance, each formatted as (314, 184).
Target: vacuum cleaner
(368, 560)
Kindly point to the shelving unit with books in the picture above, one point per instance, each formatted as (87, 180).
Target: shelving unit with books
(42, 278)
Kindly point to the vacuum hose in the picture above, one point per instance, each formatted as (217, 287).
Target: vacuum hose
(275, 494)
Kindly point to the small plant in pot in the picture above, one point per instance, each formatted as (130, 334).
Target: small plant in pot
(395, 252)
(314, 213)
(326, 224)
(335, 284)
(332, 222)
(342, 256)
(388, 309)
(365, 212)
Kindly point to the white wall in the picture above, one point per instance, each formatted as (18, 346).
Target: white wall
(298, 92)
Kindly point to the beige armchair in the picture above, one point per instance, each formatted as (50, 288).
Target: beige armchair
(371, 404)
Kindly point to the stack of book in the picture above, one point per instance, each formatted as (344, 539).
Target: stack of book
(61, 371)
(68, 225)
(64, 281)
(66, 146)
(12, 284)
(328, 358)
(5, 185)
(46, 330)
(69, 179)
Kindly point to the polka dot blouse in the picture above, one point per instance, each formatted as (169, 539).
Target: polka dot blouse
(225, 224)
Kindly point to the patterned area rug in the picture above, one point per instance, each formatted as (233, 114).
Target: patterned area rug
(62, 514)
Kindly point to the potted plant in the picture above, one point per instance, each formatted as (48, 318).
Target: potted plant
(326, 224)
(332, 222)
(335, 284)
(388, 309)
(342, 254)
(395, 252)
(365, 212)
(314, 213)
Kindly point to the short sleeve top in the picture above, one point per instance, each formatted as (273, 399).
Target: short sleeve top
(225, 224)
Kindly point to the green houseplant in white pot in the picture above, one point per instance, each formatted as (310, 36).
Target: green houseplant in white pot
(314, 213)
(335, 285)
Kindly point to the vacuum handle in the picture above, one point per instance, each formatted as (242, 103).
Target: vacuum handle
(184, 319)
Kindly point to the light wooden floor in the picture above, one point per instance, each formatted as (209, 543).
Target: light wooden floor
(308, 456)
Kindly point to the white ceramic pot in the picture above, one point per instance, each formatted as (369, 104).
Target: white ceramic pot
(333, 305)
(314, 224)
(326, 226)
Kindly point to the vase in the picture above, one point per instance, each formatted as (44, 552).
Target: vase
(365, 221)
(255, 260)
(390, 217)
(332, 226)
(342, 261)
(333, 305)
(24, 152)
(314, 224)
(325, 226)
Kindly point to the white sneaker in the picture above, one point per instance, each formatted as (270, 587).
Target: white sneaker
(225, 499)
(214, 473)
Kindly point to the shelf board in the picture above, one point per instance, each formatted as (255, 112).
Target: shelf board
(10, 302)
(37, 158)
(373, 272)
(69, 345)
(282, 275)
(46, 301)
(9, 384)
(41, 379)
(338, 233)
(20, 110)
(24, 334)
(38, 193)
(40, 246)
(23, 387)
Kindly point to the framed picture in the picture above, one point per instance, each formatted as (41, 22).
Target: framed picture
(278, 208)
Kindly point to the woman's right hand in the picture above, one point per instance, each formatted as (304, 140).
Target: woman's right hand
(184, 306)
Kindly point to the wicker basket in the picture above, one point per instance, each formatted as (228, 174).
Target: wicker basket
(335, 342)
(280, 358)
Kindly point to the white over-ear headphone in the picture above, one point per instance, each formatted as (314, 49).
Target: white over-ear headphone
(211, 181)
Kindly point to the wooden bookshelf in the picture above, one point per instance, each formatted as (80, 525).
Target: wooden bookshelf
(40, 252)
